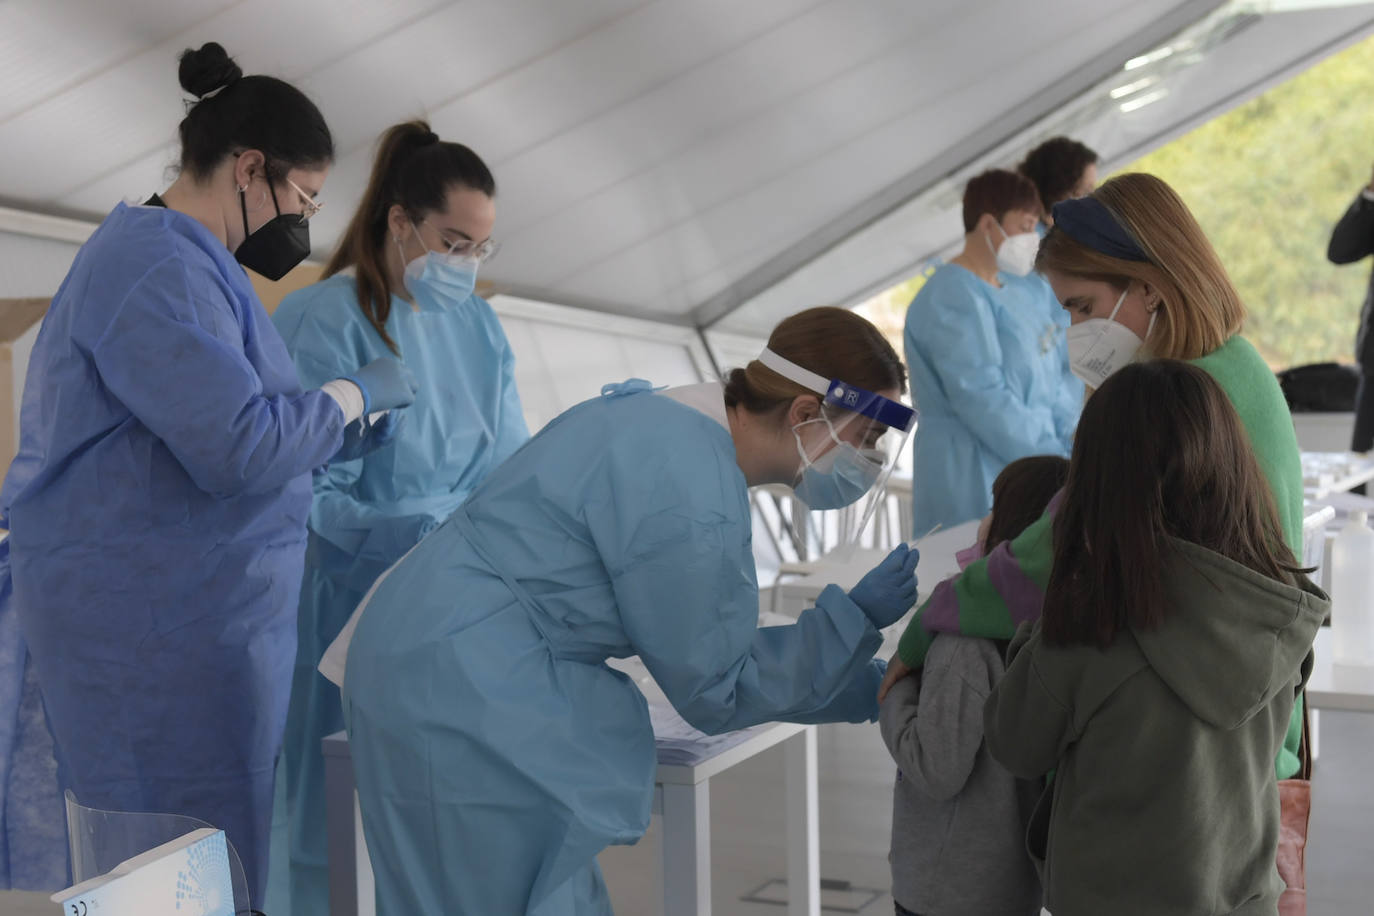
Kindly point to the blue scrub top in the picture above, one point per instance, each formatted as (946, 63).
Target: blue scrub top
(987, 381)
(465, 421)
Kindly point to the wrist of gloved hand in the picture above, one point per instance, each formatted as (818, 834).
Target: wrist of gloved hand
(362, 438)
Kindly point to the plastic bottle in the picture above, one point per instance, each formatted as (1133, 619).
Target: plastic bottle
(1352, 592)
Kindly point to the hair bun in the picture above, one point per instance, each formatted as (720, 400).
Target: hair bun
(207, 70)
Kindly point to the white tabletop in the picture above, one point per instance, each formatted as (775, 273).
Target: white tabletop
(763, 737)
(1325, 473)
(1341, 687)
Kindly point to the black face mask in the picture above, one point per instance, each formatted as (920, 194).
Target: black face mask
(279, 244)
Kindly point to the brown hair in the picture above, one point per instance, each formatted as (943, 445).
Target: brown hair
(1199, 308)
(415, 169)
(1020, 495)
(832, 342)
(1160, 453)
(998, 192)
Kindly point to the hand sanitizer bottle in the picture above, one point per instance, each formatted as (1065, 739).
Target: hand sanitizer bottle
(1352, 592)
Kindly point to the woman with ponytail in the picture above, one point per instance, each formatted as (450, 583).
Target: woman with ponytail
(400, 284)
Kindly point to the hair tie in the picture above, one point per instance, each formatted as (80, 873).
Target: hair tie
(218, 89)
(1088, 222)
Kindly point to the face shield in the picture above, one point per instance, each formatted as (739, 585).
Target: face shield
(848, 452)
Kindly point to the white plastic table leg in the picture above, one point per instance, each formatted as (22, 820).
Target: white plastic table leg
(686, 850)
(803, 826)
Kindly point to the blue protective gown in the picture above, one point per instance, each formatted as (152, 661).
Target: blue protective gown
(466, 420)
(158, 505)
(496, 753)
(1072, 391)
(987, 387)
(1044, 311)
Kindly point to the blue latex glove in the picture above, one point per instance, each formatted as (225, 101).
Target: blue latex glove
(889, 589)
(362, 438)
(386, 384)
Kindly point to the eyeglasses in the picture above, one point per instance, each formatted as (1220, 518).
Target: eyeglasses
(308, 205)
(467, 248)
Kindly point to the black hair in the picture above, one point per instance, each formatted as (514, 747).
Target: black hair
(236, 112)
(415, 169)
(1055, 167)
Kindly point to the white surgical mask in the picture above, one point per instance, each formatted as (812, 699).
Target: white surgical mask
(1016, 255)
(438, 280)
(1100, 346)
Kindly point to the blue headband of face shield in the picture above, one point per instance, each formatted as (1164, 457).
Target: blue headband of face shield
(841, 394)
(843, 473)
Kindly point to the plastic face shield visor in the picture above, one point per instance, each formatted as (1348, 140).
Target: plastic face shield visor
(849, 452)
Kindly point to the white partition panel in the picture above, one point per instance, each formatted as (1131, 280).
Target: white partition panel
(564, 355)
(33, 267)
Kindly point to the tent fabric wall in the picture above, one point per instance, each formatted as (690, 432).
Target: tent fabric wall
(685, 161)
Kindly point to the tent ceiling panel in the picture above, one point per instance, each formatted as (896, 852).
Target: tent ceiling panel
(42, 55)
(1231, 57)
(675, 159)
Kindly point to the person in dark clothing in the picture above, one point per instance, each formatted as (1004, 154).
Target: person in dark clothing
(1352, 240)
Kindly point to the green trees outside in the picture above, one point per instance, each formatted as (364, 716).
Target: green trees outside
(1267, 181)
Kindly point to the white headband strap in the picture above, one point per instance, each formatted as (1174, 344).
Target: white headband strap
(791, 371)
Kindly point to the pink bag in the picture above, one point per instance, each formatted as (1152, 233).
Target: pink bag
(1295, 810)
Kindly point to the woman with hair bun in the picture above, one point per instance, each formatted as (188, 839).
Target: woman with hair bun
(158, 501)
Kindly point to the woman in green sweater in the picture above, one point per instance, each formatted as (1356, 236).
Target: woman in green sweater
(1139, 280)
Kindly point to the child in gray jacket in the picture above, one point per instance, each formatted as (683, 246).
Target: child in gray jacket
(958, 817)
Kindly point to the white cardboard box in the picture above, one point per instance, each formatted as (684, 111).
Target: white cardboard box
(187, 877)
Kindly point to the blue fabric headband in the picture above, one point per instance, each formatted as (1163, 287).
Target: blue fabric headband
(1087, 221)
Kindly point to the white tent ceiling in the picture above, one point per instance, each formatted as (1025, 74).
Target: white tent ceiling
(706, 162)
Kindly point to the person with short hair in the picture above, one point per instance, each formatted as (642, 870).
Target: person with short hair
(982, 373)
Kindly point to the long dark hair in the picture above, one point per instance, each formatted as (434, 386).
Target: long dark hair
(1160, 453)
(415, 169)
(238, 112)
(1020, 495)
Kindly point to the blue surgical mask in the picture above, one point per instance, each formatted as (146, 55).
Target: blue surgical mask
(438, 280)
(838, 478)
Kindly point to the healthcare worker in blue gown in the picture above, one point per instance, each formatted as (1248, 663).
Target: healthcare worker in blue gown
(158, 501)
(983, 373)
(413, 247)
(1061, 168)
(496, 753)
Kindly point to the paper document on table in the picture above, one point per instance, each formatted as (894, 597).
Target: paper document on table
(679, 744)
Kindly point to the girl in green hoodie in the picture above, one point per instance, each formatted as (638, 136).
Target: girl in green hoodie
(1158, 684)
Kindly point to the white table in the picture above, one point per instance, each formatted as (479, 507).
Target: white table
(682, 798)
(1338, 687)
(1325, 473)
